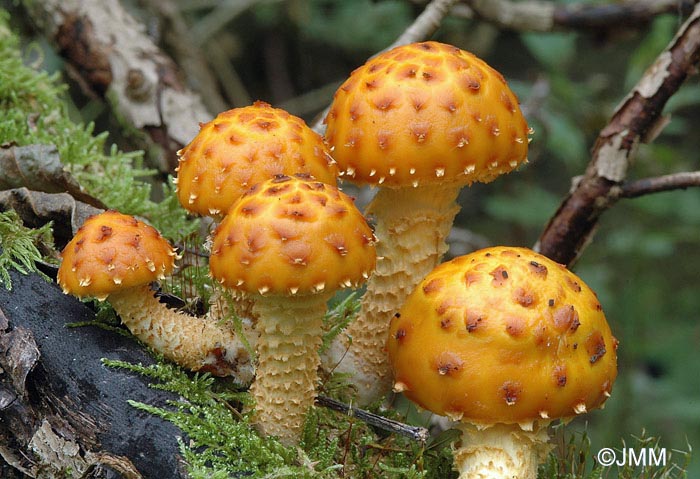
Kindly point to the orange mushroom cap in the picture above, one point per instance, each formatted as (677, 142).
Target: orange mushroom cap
(503, 335)
(242, 147)
(292, 236)
(426, 113)
(113, 251)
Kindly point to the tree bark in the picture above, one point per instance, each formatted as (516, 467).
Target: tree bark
(60, 408)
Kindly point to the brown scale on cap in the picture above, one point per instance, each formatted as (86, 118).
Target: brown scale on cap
(242, 147)
(523, 351)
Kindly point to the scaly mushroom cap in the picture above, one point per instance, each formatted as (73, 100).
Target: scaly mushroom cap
(292, 236)
(503, 335)
(425, 113)
(242, 147)
(113, 251)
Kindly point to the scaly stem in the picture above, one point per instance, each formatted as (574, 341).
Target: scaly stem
(290, 331)
(411, 227)
(500, 451)
(198, 344)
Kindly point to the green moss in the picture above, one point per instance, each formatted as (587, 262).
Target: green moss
(18, 247)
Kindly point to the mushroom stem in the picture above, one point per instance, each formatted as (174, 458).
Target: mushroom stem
(290, 330)
(500, 450)
(411, 226)
(198, 344)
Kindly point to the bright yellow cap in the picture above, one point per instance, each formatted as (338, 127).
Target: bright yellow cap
(292, 236)
(242, 147)
(113, 251)
(426, 113)
(503, 335)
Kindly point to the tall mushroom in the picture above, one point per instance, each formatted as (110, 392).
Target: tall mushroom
(288, 244)
(420, 121)
(115, 256)
(505, 341)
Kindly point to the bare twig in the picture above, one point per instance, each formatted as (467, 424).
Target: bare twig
(416, 433)
(634, 120)
(422, 27)
(544, 16)
(426, 23)
(658, 184)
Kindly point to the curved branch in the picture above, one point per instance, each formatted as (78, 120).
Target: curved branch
(422, 27)
(425, 24)
(658, 184)
(633, 122)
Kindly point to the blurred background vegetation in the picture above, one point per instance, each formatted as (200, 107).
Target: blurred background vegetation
(644, 261)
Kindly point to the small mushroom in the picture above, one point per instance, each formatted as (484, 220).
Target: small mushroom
(420, 121)
(288, 244)
(115, 256)
(505, 341)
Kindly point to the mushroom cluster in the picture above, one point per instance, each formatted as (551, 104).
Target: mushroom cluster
(419, 121)
(503, 340)
(288, 244)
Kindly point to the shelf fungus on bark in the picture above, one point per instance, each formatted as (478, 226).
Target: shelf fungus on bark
(115, 257)
(287, 245)
(420, 121)
(505, 341)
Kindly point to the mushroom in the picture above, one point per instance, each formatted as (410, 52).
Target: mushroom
(419, 121)
(505, 341)
(115, 256)
(288, 244)
(242, 147)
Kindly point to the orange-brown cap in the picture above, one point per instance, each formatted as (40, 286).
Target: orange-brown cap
(425, 113)
(113, 251)
(242, 147)
(503, 335)
(292, 236)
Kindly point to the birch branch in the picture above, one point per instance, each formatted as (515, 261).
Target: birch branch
(635, 120)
